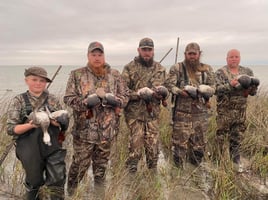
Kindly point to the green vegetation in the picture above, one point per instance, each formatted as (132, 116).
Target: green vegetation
(216, 178)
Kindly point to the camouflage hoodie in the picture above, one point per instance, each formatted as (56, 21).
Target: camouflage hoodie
(138, 76)
(83, 82)
(178, 77)
(229, 98)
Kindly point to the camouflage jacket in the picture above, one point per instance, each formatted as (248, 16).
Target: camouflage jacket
(178, 78)
(83, 82)
(17, 111)
(227, 96)
(138, 76)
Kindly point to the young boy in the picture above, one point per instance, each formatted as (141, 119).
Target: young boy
(43, 164)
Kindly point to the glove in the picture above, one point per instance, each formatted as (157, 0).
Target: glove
(191, 91)
(161, 92)
(110, 99)
(206, 91)
(92, 100)
(146, 94)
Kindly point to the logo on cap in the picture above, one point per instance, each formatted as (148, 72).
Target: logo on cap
(95, 45)
(146, 43)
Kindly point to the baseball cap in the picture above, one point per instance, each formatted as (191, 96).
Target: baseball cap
(95, 45)
(37, 71)
(192, 47)
(146, 43)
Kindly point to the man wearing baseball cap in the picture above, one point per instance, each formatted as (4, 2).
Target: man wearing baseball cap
(95, 45)
(191, 83)
(96, 93)
(143, 75)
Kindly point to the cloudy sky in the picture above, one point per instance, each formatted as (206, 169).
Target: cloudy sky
(54, 32)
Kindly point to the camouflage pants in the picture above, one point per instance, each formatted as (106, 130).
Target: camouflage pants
(84, 153)
(231, 125)
(143, 135)
(188, 137)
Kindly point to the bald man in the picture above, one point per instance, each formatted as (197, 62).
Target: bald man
(233, 85)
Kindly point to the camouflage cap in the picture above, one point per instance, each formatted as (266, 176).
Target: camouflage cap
(192, 47)
(95, 45)
(37, 71)
(146, 43)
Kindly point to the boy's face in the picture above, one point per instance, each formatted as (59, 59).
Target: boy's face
(36, 84)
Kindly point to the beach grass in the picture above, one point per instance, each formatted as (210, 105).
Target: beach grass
(215, 178)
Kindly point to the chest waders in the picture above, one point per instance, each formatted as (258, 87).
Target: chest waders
(182, 70)
(43, 164)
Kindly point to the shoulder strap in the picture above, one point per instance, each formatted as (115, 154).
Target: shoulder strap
(28, 104)
(186, 78)
(203, 77)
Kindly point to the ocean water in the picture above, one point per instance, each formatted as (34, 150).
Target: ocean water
(12, 78)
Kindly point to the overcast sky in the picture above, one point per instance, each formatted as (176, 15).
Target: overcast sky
(54, 32)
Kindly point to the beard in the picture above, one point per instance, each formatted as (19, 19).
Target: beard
(192, 64)
(98, 71)
(147, 63)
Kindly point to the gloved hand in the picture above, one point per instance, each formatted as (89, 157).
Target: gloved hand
(92, 100)
(110, 99)
(161, 92)
(146, 94)
(191, 91)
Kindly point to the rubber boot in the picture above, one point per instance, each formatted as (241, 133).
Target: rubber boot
(56, 193)
(31, 192)
(132, 166)
(196, 157)
(234, 152)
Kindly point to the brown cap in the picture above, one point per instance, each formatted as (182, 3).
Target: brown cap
(192, 47)
(146, 43)
(37, 71)
(95, 45)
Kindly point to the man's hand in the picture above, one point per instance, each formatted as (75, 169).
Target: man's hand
(234, 82)
(100, 92)
(161, 92)
(32, 124)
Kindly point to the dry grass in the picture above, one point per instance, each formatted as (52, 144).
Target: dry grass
(214, 179)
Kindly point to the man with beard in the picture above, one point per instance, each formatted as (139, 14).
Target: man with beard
(191, 84)
(96, 93)
(143, 76)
